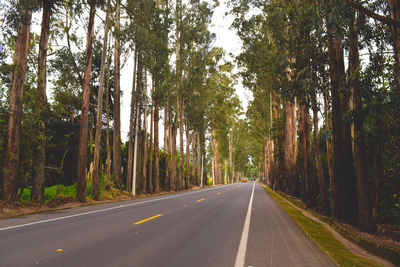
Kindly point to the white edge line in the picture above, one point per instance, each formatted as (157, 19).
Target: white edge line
(107, 209)
(241, 255)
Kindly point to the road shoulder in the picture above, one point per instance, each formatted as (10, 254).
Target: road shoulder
(349, 253)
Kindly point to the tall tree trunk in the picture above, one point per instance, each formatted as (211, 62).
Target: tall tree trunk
(144, 168)
(214, 155)
(99, 121)
(151, 153)
(345, 189)
(318, 164)
(117, 102)
(376, 173)
(179, 114)
(365, 221)
(83, 129)
(328, 140)
(172, 171)
(274, 144)
(199, 178)
(156, 167)
(194, 179)
(187, 180)
(181, 155)
(11, 153)
(137, 126)
(289, 143)
(131, 124)
(394, 7)
(202, 142)
(167, 146)
(108, 148)
(39, 159)
(305, 145)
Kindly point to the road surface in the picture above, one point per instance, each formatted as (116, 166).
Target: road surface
(232, 225)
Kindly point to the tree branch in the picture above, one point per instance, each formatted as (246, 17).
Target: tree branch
(383, 19)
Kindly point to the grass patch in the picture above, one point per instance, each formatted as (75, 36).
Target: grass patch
(324, 239)
(51, 192)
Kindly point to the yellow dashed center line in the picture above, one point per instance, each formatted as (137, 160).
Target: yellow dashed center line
(148, 219)
(59, 250)
(200, 200)
(219, 193)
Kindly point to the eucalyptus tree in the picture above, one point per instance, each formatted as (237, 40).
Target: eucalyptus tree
(99, 120)
(83, 126)
(117, 98)
(39, 158)
(11, 152)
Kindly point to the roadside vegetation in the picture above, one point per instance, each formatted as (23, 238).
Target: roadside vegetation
(322, 237)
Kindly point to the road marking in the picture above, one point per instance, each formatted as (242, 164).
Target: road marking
(241, 255)
(148, 219)
(219, 193)
(200, 200)
(107, 209)
(59, 250)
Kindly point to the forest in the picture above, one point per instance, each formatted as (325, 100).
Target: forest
(325, 115)
(323, 124)
(75, 136)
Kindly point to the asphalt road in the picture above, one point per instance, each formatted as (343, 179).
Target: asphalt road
(232, 225)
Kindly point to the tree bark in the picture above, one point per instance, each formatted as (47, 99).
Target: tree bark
(199, 178)
(151, 153)
(144, 168)
(194, 180)
(394, 7)
(156, 167)
(289, 146)
(39, 159)
(108, 182)
(131, 123)
(305, 145)
(99, 121)
(83, 129)
(345, 196)
(318, 164)
(172, 171)
(117, 102)
(365, 221)
(11, 152)
(181, 155)
(187, 156)
(328, 140)
(167, 146)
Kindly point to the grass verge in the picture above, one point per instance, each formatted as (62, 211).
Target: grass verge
(390, 253)
(322, 237)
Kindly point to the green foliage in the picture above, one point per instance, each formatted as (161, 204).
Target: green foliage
(51, 192)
